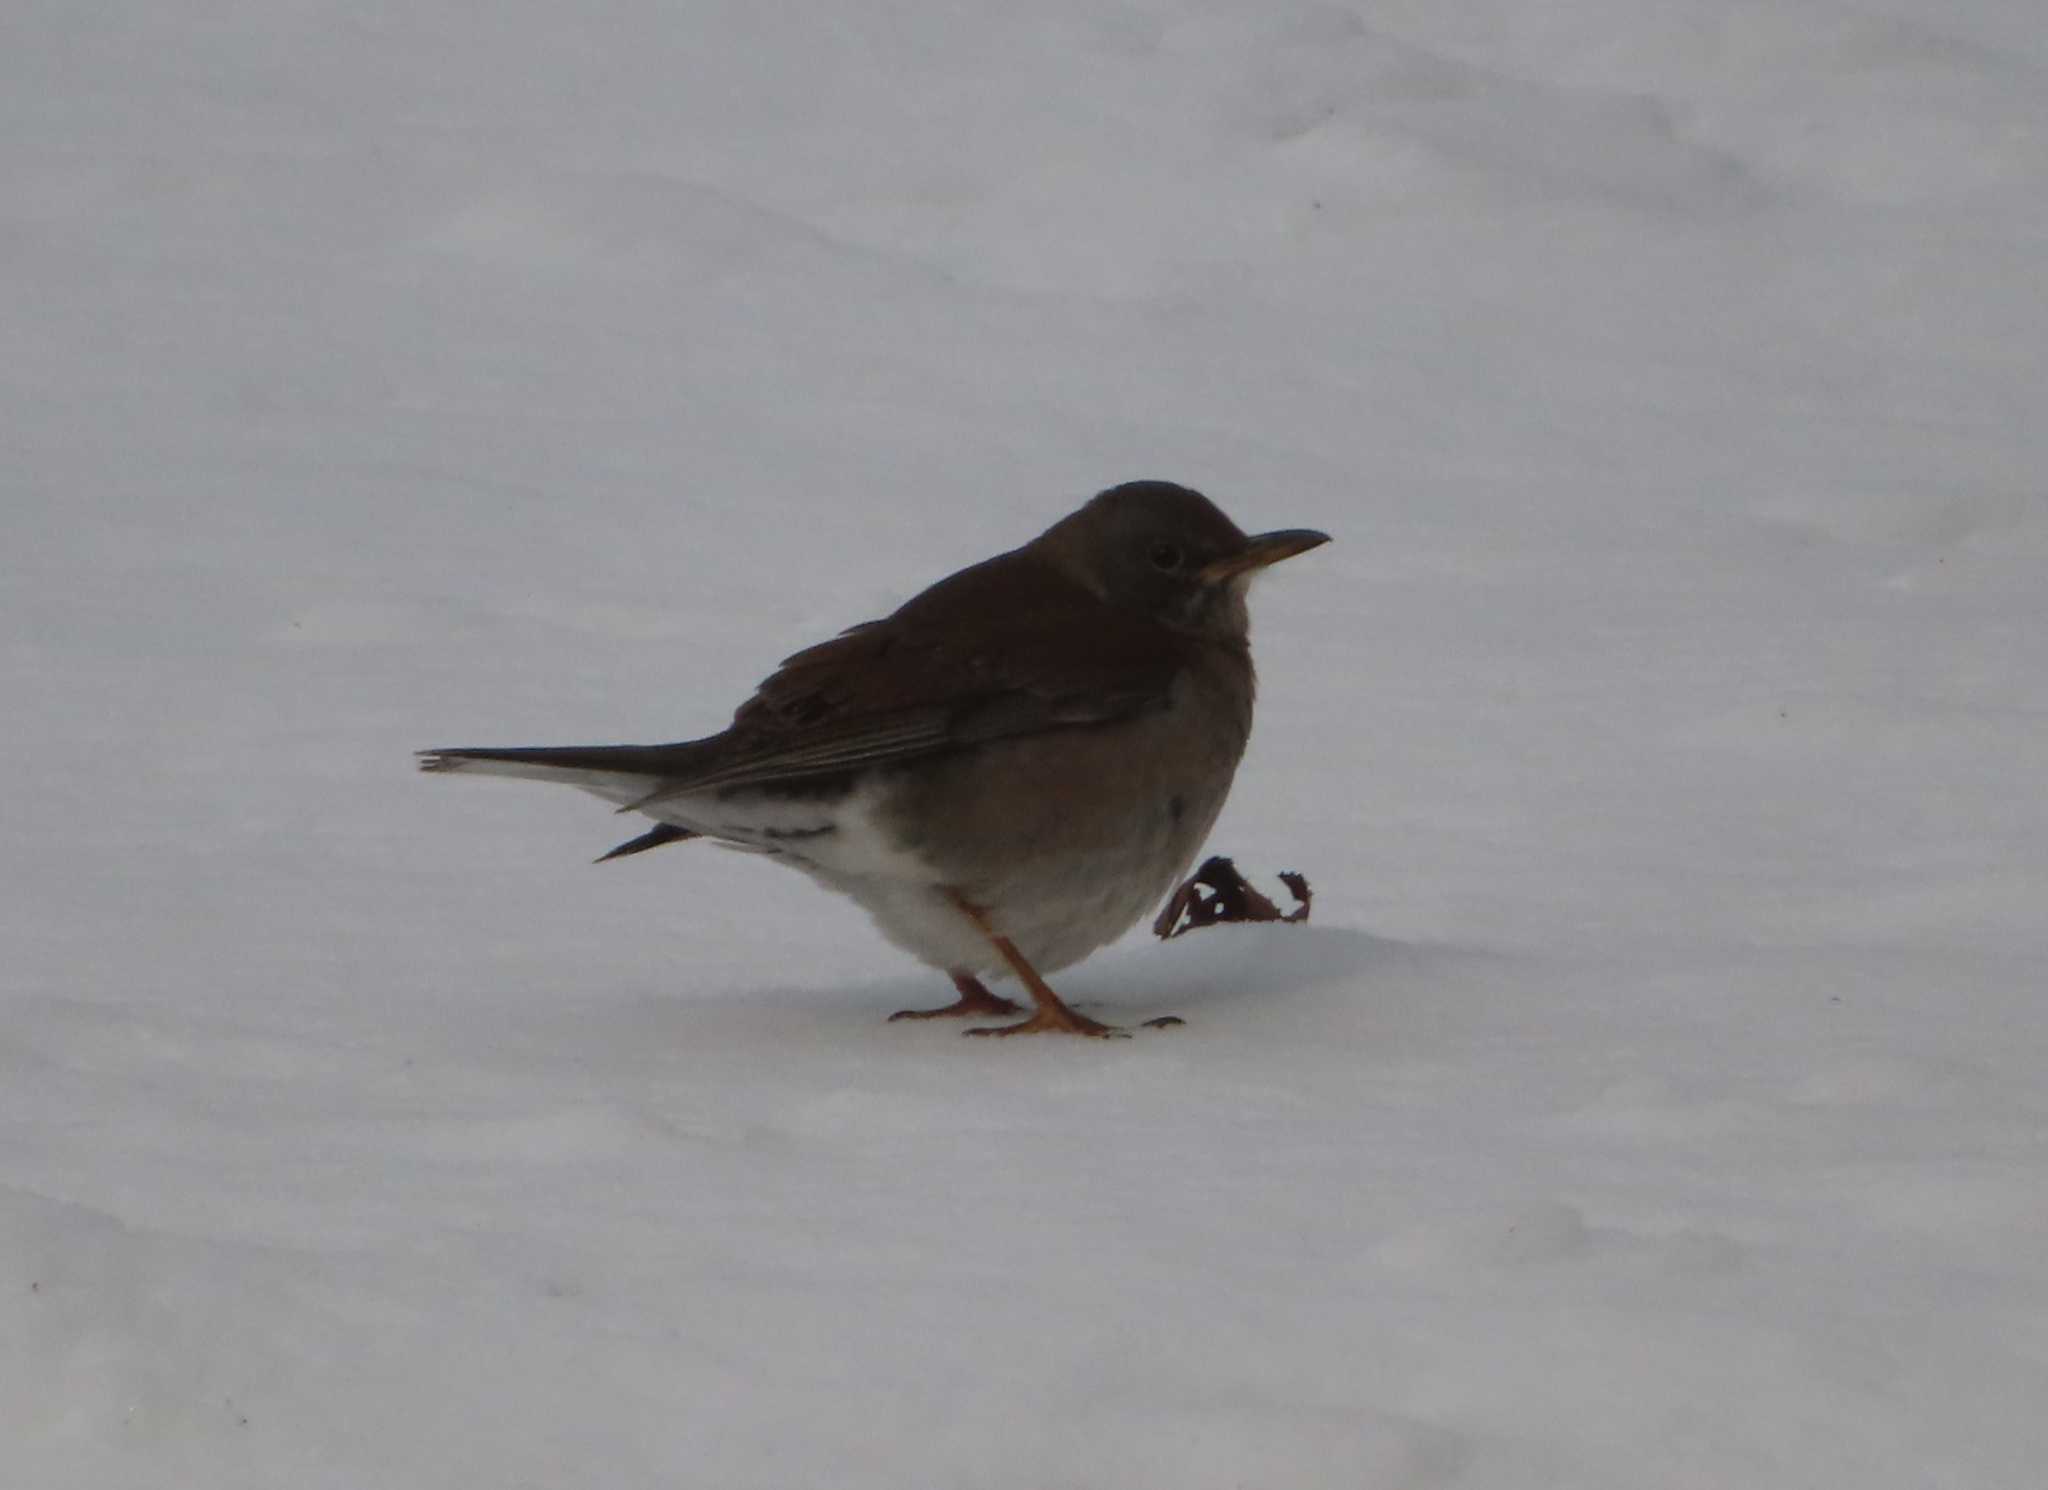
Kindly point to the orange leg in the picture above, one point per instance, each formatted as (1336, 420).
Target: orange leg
(974, 999)
(1048, 1011)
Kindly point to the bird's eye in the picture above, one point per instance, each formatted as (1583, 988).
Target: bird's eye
(1165, 556)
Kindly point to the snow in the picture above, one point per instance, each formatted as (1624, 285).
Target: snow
(1656, 1098)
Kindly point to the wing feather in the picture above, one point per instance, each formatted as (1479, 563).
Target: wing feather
(1011, 646)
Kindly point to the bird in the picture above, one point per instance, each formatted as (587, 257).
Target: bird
(1007, 772)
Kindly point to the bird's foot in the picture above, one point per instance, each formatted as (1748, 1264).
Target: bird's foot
(1049, 1012)
(1055, 1018)
(974, 999)
(1163, 1022)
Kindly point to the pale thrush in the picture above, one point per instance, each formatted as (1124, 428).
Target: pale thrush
(1006, 773)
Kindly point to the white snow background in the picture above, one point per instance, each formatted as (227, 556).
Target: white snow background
(1659, 1097)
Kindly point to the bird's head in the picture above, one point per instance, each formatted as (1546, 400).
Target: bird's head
(1168, 552)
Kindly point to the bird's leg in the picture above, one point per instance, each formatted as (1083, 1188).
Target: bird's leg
(974, 999)
(1048, 1011)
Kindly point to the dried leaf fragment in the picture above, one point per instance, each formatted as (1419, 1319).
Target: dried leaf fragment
(1216, 892)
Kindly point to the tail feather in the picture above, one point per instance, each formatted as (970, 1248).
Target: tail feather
(621, 774)
(643, 778)
(628, 760)
(654, 837)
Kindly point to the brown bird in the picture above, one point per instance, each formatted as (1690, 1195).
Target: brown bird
(1009, 771)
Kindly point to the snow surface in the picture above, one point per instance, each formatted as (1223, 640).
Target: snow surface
(1657, 1098)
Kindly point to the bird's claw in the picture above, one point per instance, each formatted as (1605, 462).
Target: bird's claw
(1065, 1021)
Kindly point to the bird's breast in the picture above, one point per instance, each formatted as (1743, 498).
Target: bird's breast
(1069, 836)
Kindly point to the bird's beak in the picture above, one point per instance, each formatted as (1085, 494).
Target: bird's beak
(1261, 550)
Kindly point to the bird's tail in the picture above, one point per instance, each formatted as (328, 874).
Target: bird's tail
(566, 762)
(625, 775)
(621, 774)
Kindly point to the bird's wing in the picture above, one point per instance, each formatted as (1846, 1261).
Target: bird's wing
(1008, 647)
